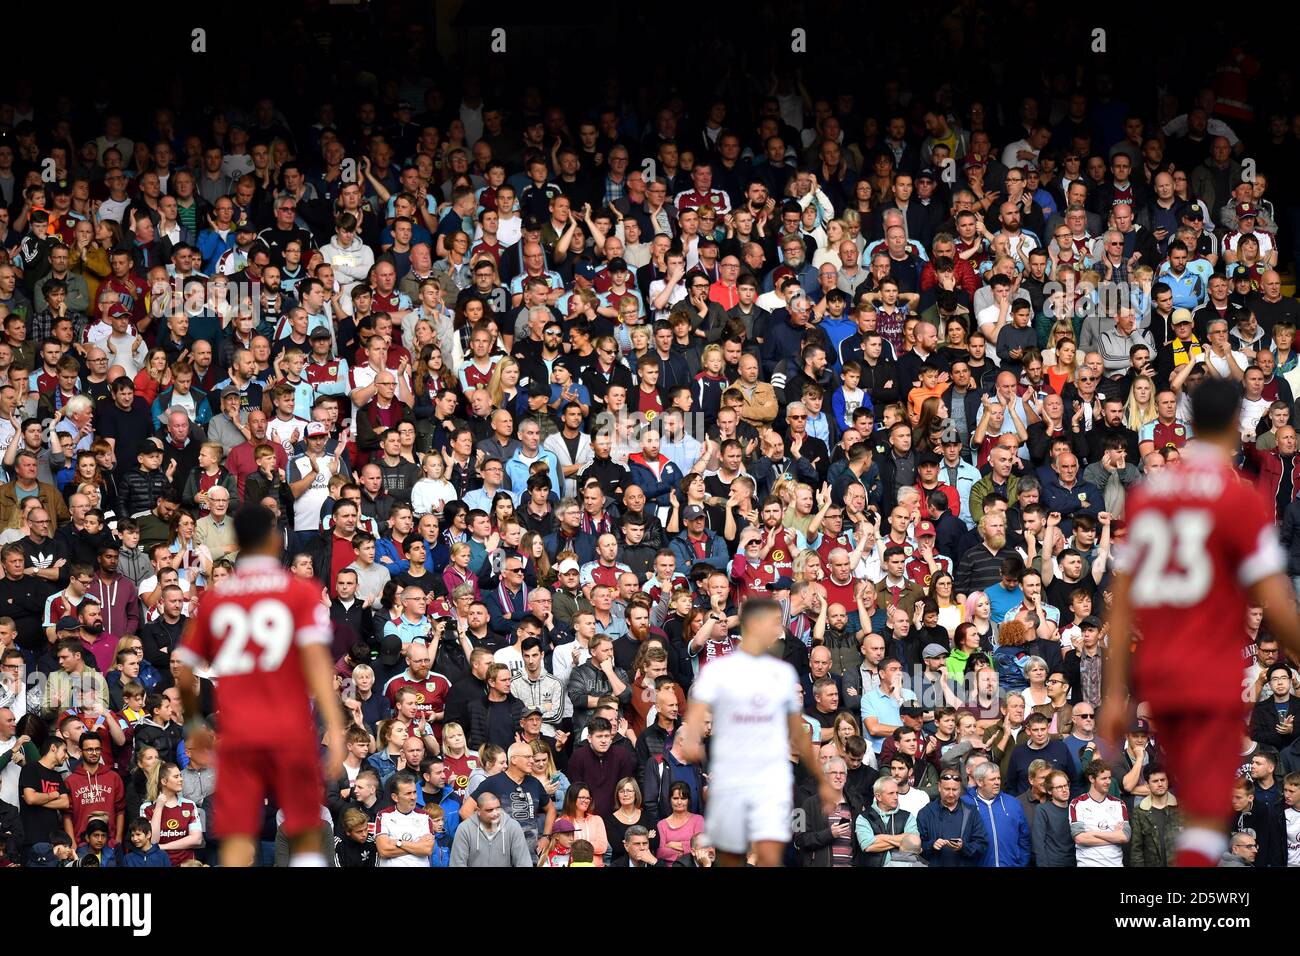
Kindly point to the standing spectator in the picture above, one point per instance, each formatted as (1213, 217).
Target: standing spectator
(1156, 824)
(1050, 836)
(1098, 821)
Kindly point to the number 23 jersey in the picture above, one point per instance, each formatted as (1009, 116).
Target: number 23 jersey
(1198, 538)
(250, 628)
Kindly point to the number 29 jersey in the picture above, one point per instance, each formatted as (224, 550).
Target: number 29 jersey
(250, 628)
(1198, 538)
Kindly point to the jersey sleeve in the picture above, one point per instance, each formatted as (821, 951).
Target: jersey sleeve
(313, 621)
(1249, 527)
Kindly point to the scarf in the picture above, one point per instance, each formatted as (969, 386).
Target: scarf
(507, 606)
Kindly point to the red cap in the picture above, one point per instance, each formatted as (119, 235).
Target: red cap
(925, 529)
(1246, 209)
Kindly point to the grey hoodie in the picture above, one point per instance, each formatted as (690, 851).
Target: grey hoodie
(1231, 859)
(505, 846)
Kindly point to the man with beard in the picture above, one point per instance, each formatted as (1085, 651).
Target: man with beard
(981, 566)
(161, 635)
(119, 600)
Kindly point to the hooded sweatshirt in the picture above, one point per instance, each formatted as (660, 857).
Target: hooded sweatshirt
(475, 846)
(100, 790)
(352, 262)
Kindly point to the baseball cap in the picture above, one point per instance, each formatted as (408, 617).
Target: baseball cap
(1193, 211)
(926, 173)
(68, 623)
(230, 390)
(934, 650)
(246, 226)
(911, 709)
(1180, 316)
(150, 446)
(317, 429)
(927, 458)
(1245, 209)
(568, 564)
(585, 270)
(1238, 272)
(691, 512)
(402, 105)
(1139, 726)
(320, 332)
(781, 584)
(1091, 621)
(118, 311)
(925, 529)
(617, 264)
(390, 649)
(532, 712)
(563, 825)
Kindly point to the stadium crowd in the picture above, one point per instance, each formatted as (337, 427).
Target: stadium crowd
(542, 397)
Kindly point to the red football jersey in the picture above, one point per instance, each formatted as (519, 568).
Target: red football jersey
(430, 695)
(249, 628)
(1198, 538)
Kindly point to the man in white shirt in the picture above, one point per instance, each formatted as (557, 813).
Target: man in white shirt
(1098, 821)
(404, 832)
(309, 477)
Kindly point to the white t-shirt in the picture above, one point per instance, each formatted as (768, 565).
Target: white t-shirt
(306, 508)
(913, 800)
(752, 698)
(405, 826)
(1292, 837)
(512, 658)
(1106, 814)
(283, 432)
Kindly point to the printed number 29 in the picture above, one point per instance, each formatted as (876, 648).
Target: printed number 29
(1187, 579)
(268, 624)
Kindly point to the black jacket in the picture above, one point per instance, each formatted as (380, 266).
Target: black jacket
(24, 601)
(165, 739)
(476, 734)
(1263, 720)
(160, 639)
(813, 840)
(140, 491)
(356, 620)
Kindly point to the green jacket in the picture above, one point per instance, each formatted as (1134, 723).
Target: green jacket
(982, 488)
(1145, 848)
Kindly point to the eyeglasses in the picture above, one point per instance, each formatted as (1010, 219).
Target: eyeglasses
(1087, 378)
(949, 776)
(1078, 716)
(796, 418)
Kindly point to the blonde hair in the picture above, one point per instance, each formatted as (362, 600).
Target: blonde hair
(1135, 415)
(495, 389)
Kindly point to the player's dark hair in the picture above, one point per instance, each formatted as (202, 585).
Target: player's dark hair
(1215, 404)
(253, 524)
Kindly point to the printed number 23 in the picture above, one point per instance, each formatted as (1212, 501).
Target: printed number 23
(1181, 536)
